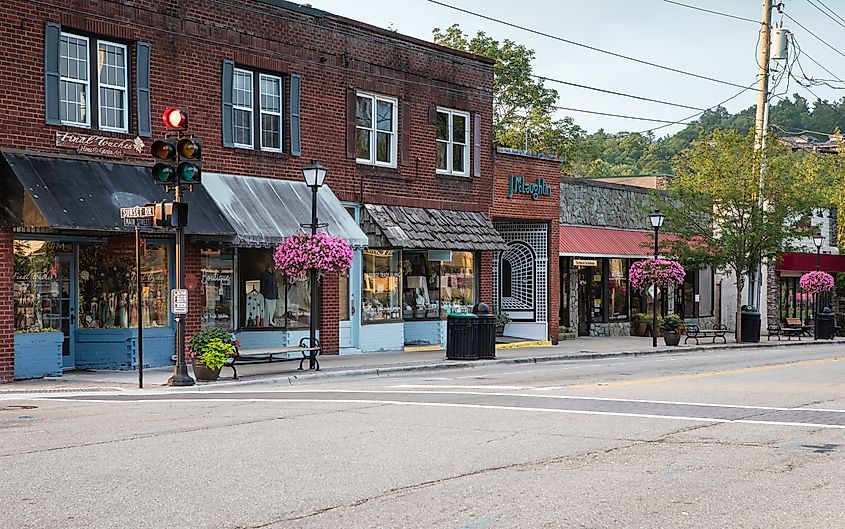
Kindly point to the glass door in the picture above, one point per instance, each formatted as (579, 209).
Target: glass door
(67, 308)
(348, 300)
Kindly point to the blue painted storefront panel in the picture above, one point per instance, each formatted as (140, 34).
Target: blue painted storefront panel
(383, 337)
(424, 332)
(118, 348)
(38, 354)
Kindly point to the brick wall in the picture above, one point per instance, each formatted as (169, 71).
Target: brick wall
(330, 314)
(524, 207)
(7, 316)
(196, 291)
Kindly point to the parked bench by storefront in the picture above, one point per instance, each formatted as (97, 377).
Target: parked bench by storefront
(697, 333)
(784, 331)
(796, 323)
(269, 352)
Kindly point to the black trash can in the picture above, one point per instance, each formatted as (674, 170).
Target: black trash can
(486, 338)
(750, 321)
(825, 325)
(462, 337)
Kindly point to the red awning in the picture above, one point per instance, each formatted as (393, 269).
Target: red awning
(806, 262)
(607, 242)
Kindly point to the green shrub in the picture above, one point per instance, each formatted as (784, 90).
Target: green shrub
(673, 323)
(213, 347)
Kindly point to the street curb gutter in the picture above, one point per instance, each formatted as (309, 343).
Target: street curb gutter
(452, 365)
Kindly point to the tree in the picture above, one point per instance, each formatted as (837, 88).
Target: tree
(712, 204)
(523, 109)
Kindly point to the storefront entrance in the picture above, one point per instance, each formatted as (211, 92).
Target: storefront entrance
(584, 301)
(66, 279)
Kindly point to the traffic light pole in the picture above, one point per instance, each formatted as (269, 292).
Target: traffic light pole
(180, 370)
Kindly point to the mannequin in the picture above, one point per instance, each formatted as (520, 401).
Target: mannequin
(254, 307)
(123, 311)
(133, 310)
(270, 291)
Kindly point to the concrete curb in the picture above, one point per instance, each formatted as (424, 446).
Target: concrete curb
(457, 364)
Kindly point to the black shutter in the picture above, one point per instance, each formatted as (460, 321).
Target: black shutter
(142, 89)
(228, 129)
(52, 34)
(350, 123)
(476, 144)
(406, 132)
(295, 116)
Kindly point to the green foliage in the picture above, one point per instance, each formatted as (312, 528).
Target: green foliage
(35, 330)
(213, 346)
(640, 317)
(502, 318)
(565, 330)
(672, 323)
(523, 113)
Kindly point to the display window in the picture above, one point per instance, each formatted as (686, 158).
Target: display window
(218, 281)
(617, 299)
(457, 283)
(596, 293)
(41, 285)
(421, 287)
(268, 299)
(380, 290)
(107, 292)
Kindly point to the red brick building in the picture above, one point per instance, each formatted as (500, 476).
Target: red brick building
(403, 126)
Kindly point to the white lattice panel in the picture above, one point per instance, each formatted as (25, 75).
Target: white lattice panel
(528, 255)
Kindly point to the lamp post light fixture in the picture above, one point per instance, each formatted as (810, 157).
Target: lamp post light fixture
(656, 219)
(818, 240)
(315, 175)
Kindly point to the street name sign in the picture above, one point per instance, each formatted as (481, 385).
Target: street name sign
(179, 301)
(137, 212)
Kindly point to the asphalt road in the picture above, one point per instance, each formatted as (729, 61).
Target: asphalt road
(750, 438)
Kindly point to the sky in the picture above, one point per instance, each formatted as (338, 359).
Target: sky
(656, 31)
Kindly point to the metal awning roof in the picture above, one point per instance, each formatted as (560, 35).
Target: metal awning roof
(586, 241)
(265, 211)
(433, 229)
(86, 195)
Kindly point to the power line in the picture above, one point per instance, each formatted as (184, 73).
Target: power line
(616, 115)
(622, 94)
(713, 12)
(587, 46)
(811, 33)
(836, 19)
(832, 12)
(683, 121)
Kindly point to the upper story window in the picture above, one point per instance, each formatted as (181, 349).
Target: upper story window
(257, 110)
(375, 129)
(452, 142)
(75, 79)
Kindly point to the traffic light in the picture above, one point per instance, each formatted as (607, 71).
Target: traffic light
(175, 118)
(171, 214)
(164, 170)
(189, 170)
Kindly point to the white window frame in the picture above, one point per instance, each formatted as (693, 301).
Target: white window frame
(250, 109)
(125, 88)
(394, 133)
(87, 122)
(280, 113)
(450, 142)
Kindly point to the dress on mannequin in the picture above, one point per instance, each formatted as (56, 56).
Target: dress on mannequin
(254, 308)
(270, 291)
(123, 310)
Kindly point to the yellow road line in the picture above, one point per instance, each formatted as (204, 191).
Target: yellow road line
(708, 374)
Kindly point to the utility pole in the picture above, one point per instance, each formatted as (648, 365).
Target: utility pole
(761, 123)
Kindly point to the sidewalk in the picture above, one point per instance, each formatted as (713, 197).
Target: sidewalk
(369, 364)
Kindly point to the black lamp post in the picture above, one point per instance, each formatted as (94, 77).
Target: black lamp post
(656, 219)
(818, 240)
(315, 175)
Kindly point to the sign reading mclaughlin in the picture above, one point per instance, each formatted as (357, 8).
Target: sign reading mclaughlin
(536, 189)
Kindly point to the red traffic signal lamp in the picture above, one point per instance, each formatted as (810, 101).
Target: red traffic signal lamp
(164, 170)
(189, 170)
(175, 118)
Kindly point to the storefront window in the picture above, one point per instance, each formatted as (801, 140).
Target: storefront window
(42, 285)
(381, 286)
(421, 281)
(107, 293)
(617, 290)
(268, 300)
(218, 280)
(596, 291)
(457, 283)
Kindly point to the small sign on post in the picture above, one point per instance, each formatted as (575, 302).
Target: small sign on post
(137, 212)
(179, 301)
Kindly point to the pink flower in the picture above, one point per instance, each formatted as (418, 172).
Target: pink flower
(816, 282)
(300, 253)
(644, 274)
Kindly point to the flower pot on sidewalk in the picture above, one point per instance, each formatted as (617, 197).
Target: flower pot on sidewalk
(203, 373)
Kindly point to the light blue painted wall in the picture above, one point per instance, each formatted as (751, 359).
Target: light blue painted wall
(424, 332)
(117, 349)
(38, 354)
(383, 337)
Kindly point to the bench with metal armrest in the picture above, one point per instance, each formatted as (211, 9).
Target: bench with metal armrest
(697, 333)
(785, 331)
(796, 323)
(268, 352)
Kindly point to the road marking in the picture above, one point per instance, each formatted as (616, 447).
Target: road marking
(693, 376)
(433, 386)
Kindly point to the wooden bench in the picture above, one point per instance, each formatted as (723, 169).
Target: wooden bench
(785, 331)
(268, 352)
(697, 333)
(796, 323)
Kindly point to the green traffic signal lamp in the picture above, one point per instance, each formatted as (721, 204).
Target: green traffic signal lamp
(189, 173)
(164, 174)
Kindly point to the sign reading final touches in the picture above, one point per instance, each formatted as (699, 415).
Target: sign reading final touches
(99, 145)
(536, 189)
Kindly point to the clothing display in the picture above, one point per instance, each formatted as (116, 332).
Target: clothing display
(254, 308)
(269, 285)
(270, 312)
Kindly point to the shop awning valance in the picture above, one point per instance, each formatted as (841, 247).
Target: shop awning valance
(586, 241)
(805, 262)
(86, 195)
(431, 229)
(265, 211)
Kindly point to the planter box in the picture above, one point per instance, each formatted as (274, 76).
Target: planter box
(38, 354)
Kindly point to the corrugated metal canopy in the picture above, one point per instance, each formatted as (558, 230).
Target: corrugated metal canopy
(585, 241)
(265, 211)
(435, 229)
(83, 194)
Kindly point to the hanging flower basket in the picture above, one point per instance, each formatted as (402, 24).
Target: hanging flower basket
(644, 274)
(300, 253)
(816, 282)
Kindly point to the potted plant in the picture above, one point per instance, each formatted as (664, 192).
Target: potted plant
(640, 322)
(501, 320)
(565, 333)
(672, 326)
(209, 351)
